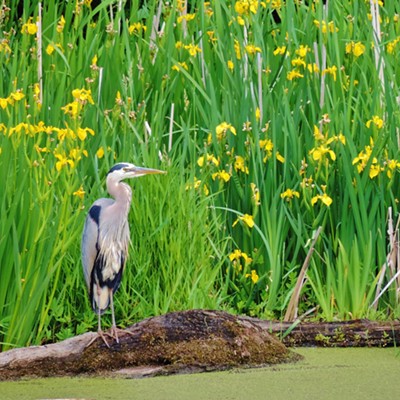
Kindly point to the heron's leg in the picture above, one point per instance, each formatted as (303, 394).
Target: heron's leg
(98, 321)
(99, 330)
(114, 330)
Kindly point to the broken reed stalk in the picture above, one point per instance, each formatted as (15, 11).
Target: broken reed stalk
(171, 125)
(147, 129)
(379, 61)
(246, 61)
(393, 279)
(119, 15)
(259, 76)
(100, 84)
(39, 52)
(392, 261)
(2, 11)
(397, 259)
(322, 67)
(382, 270)
(154, 30)
(291, 312)
(203, 63)
(184, 22)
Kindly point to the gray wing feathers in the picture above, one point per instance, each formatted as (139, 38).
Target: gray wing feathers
(90, 237)
(89, 249)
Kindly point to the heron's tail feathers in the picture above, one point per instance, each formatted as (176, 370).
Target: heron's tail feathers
(100, 298)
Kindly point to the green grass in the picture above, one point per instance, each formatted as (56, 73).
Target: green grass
(158, 91)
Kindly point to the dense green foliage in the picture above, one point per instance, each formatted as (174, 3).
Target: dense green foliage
(271, 118)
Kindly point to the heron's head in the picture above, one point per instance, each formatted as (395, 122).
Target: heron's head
(122, 171)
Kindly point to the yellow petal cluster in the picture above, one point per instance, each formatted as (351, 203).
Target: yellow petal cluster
(247, 219)
(237, 255)
(356, 49)
(222, 175)
(375, 120)
(253, 275)
(289, 194)
(240, 165)
(323, 198)
(29, 27)
(223, 128)
(245, 7)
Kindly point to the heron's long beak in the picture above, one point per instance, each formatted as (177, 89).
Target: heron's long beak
(140, 171)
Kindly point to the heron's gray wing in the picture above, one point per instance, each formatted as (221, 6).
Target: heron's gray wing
(90, 236)
(88, 247)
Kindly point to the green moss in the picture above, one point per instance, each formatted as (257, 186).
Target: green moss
(322, 339)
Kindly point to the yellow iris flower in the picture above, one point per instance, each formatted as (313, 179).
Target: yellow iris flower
(247, 219)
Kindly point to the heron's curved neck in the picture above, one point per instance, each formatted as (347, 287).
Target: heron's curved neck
(121, 192)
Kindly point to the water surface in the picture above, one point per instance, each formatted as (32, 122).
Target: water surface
(324, 374)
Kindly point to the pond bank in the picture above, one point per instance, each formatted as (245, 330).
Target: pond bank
(325, 373)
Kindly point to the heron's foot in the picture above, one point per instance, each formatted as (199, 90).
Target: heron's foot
(101, 334)
(115, 332)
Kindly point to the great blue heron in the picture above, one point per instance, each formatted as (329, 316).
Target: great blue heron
(106, 238)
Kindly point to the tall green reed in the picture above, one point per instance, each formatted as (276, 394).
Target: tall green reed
(281, 130)
(42, 294)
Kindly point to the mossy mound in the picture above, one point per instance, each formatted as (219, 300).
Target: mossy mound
(187, 341)
(191, 340)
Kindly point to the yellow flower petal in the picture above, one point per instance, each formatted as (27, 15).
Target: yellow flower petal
(248, 220)
(79, 193)
(50, 49)
(254, 276)
(100, 152)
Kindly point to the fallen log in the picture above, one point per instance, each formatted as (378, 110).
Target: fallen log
(355, 333)
(187, 341)
(191, 341)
